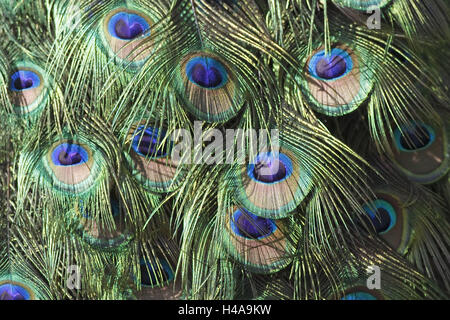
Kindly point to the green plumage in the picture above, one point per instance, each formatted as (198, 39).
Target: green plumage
(96, 95)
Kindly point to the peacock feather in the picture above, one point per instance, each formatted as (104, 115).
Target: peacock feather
(235, 149)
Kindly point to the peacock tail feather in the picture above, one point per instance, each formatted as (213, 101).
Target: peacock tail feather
(233, 149)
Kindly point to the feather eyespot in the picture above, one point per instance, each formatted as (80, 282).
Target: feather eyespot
(382, 215)
(206, 72)
(258, 243)
(28, 88)
(147, 142)
(208, 87)
(70, 163)
(414, 137)
(390, 219)
(359, 295)
(272, 185)
(71, 166)
(356, 289)
(15, 286)
(337, 82)
(250, 226)
(69, 154)
(150, 158)
(25, 79)
(97, 234)
(128, 26)
(363, 293)
(270, 168)
(12, 290)
(127, 33)
(420, 151)
(332, 66)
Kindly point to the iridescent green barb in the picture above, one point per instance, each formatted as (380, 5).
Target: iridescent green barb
(226, 149)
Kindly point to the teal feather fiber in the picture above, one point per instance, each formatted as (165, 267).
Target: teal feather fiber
(241, 149)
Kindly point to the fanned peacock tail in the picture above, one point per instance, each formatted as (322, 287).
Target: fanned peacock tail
(235, 149)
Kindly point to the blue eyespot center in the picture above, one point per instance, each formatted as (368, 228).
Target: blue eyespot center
(270, 167)
(128, 26)
(208, 77)
(332, 66)
(414, 137)
(359, 296)
(269, 171)
(126, 31)
(206, 72)
(153, 274)
(69, 154)
(382, 215)
(250, 226)
(24, 79)
(10, 291)
(21, 84)
(147, 142)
